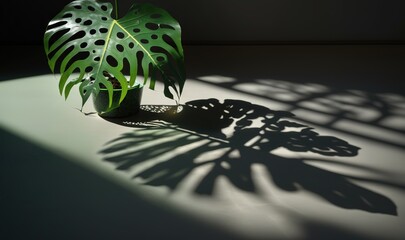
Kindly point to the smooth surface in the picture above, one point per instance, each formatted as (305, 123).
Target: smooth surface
(59, 167)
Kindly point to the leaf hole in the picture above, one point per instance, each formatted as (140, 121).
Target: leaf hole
(139, 58)
(166, 26)
(99, 42)
(103, 30)
(61, 58)
(78, 7)
(87, 22)
(119, 47)
(93, 31)
(57, 24)
(91, 8)
(167, 58)
(170, 41)
(78, 57)
(126, 67)
(67, 15)
(88, 69)
(104, 8)
(104, 18)
(83, 45)
(152, 26)
(157, 49)
(131, 45)
(136, 30)
(78, 20)
(120, 35)
(57, 35)
(144, 41)
(154, 36)
(96, 59)
(112, 61)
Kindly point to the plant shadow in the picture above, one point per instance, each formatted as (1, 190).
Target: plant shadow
(171, 143)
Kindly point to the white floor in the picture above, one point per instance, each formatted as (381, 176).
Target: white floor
(235, 159)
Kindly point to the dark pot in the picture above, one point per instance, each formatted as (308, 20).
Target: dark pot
(129, 106)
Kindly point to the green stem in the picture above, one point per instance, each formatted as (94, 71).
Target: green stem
(116, 9)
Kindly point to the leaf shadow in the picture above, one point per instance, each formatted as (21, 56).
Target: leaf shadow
(227, 138)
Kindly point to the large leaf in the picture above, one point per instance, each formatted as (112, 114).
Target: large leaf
(85, 39)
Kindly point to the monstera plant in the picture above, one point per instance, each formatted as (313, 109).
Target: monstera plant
(92, 49)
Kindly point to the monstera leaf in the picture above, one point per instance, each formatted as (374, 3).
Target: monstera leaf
(86, 42)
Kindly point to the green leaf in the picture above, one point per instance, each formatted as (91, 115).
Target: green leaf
(84, 39)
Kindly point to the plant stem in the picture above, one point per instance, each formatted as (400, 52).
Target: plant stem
(116, 9)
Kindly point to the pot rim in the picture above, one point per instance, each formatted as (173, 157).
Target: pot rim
(138, 86)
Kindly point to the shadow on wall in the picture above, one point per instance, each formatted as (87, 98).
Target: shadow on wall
(215, 140)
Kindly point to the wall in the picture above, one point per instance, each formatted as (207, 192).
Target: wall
(238, 21)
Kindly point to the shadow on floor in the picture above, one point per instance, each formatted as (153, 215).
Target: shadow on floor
(372, 116)
(47, 196)
(228, 139)
(358, 90)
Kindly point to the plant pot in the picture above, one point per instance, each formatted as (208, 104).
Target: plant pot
(129, 106)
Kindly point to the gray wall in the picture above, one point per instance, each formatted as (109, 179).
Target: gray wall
(225, 21)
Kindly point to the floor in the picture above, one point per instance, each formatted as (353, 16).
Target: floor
(269, 142)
